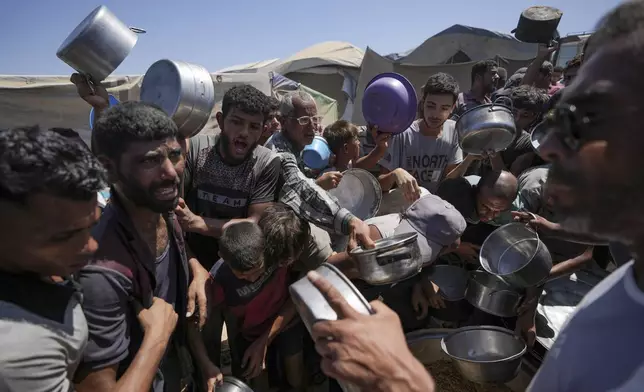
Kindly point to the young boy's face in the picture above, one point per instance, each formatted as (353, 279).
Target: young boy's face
(251, 275)
(353, 149)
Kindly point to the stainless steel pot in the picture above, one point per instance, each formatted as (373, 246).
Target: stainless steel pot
(232, 384)
(487, 128)
(537, 135)
(98, 45)
(452, 281)
(184, 91)
(515, 253)
(313, 307)
(392, 260)
(492, 295)
(484, 353)
(359, 192)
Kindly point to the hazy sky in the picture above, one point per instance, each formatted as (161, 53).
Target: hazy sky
(218, 34)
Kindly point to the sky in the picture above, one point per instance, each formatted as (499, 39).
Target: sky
(219, 34)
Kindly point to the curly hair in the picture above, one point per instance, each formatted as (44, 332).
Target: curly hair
(528, 98)
(130, 122)
(441, 84)
(285, 232)
(246, 98)
(33, 161)
(480, 68)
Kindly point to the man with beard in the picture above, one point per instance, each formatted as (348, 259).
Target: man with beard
(595, 148)
(484, 79)
(300, 123)
(141, 255)
(425, 152)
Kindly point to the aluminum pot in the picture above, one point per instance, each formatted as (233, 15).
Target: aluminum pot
(452, 281)
(485, 354)
(313, 307)
(538, 25)
(515, 253)
(232, 384)
(183, 90)
(492, 295)
(359, 192)
(98, 45)
(393, 259)
(487, 128)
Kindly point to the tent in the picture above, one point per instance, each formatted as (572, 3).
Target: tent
(331, 68)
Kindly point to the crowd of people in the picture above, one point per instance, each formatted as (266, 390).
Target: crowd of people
(123, 260)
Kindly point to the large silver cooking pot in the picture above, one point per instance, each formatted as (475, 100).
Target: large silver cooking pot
(492, 295)
(515, 253)
(484, 353)
(313, 306)
(183, 90)
(98, 45)
(487, 128)
(359, 192)
(391, 260)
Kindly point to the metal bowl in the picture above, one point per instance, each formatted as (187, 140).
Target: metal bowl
(484, 353)
(359, 192)
(486, 128)
(232, 384)
(515, 253)
(492, 295)
(393, 259)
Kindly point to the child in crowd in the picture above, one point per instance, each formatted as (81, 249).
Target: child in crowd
(342, 137)
(251, 282)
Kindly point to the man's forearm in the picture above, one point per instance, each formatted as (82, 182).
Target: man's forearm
(141, 372)
(462, 167)
(387, 181)
(556, 231)
(571, 265)
(370, 160)
(284, 317)
(197, 346)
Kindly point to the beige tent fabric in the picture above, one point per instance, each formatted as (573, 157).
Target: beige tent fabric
(374, 64)
(250, 67)
(336, 53)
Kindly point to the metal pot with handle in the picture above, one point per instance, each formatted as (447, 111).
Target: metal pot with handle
(492, 295)
(538, 25)
(487, 128)
(515, 253)
(98, 45)
(393, 259)
(232, 384)
(183, 90)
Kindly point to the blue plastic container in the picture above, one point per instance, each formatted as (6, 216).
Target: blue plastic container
(317, 154)
(113, 102)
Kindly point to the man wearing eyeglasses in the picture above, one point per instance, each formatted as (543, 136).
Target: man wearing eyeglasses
(594, 143)
(300, 123)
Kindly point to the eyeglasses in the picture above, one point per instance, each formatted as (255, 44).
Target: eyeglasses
(306, 120)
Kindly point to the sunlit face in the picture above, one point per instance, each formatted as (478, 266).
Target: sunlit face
(353, 149)
(148, 174)
(437, 109)
(303, 124)
(490, 79)
(595, 147)
(49, 235)
(240, 134)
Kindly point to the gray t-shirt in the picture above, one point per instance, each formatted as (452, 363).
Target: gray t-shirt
(424, 157)
(600, 348)
(43, 333)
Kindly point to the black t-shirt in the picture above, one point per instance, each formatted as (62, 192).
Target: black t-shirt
(462, 195)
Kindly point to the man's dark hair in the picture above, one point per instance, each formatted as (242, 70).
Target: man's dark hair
(575, 62)
(501, 184)
(528, 98)
(339, 133)
(480, 68)
(33, 160)
(273, 104)
(242, 246)
(514, 81)
(246, 98)
(441, 84)
(620, 22)
(130, 122)
(286, 234)
(558, 69)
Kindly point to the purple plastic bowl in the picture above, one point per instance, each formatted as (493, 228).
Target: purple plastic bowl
(390, 102)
